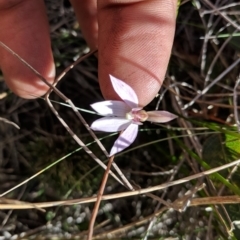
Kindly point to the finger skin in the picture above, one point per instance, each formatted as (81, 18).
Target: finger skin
(24, 28)
(134, 44)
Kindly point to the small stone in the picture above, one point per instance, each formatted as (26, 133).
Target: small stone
(70, 220)
(7, 234)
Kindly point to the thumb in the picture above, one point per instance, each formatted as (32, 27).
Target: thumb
(134, 44)
(24, 28)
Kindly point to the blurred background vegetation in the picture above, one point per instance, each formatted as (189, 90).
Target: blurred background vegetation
(204, 137)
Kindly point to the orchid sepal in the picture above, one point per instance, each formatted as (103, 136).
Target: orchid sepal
(160, 116)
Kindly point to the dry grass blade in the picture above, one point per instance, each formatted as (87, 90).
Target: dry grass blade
(13, 202)
(235, 103)
(233, 199)
(193, 141)
(233, 65)
(223, 15)
(178, 204)
(9, 122)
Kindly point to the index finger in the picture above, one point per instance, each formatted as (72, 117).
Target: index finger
(134, 44)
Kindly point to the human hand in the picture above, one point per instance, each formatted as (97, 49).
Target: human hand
(134, 40)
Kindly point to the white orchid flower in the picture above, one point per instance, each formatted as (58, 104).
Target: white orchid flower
(125, 116)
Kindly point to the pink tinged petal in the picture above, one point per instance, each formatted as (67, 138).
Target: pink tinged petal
(111, 108)
(125, 92)
(125, 139)
(160, 116)
(110, 124)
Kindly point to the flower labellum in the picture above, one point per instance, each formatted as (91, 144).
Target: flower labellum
(125, 116)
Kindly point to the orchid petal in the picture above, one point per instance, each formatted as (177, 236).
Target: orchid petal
(110, 124)
(111, 108)
(160, 116)
(125, 139)
(125, 92)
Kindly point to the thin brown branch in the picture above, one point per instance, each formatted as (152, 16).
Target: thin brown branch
(99, 198)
